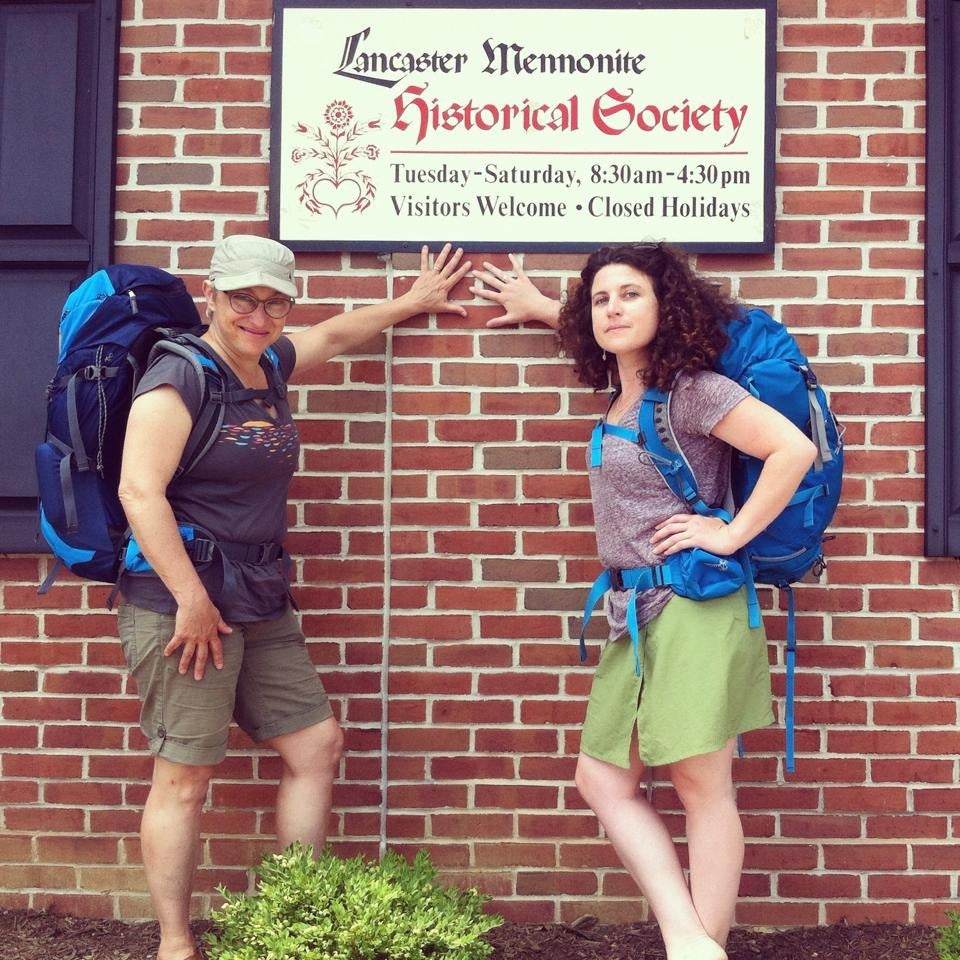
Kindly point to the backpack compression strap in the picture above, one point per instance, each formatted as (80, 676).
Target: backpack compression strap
(97, 372)
(791, 658)
(818, 426)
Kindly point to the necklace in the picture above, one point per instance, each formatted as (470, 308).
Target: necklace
(621, 405)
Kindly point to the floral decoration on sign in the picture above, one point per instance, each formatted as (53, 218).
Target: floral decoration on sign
(336, 184)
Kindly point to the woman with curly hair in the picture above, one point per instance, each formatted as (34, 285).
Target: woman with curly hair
(640, 317)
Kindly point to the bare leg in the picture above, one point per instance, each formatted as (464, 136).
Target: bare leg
(170, 840)
(714, 836)
(646, 849)
(311, 758)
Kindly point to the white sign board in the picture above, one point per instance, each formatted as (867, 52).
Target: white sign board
(551, 128)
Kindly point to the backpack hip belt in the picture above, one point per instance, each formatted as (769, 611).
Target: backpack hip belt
(200, 549)
(203, 549)
(695, 574)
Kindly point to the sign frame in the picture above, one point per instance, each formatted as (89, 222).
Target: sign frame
(280, 132)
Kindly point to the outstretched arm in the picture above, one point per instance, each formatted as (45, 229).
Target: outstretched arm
(429, 294)
(515, 292)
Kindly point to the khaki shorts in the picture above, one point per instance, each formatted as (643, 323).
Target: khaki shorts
(268, 684)
(705, 678)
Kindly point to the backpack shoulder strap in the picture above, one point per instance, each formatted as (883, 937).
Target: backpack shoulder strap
(663, 451)
(602, 428)
(270, 361)
(212, 378)
(211, 361)
(277, 386)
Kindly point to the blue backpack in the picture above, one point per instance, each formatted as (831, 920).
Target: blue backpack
(763, 357)
(111, 327)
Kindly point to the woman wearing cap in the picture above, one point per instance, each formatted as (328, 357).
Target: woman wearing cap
(230, 609)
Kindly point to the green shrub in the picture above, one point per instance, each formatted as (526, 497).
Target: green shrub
(948, 946)
(333, 909)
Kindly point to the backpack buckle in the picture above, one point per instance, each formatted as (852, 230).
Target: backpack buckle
(201, 550)
(268, 552)
(616, 579)
(94, 372)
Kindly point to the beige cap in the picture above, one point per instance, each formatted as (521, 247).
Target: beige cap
(243, 260)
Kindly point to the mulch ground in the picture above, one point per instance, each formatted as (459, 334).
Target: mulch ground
(30, 935)
(641, 941)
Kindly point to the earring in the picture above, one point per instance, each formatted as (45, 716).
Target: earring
(604, 356)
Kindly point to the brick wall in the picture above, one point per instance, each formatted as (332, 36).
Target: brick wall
(442, 502)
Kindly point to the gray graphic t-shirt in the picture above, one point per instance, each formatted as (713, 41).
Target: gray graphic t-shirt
(236, 493)
(630, 497)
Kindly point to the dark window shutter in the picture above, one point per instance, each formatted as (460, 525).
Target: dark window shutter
(942, 281)
(58, 64)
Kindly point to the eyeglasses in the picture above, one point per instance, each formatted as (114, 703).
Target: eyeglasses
(274, 307)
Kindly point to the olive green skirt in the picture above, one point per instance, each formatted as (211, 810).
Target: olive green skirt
(704, 678)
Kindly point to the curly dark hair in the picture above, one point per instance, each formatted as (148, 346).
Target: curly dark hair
(693, 314)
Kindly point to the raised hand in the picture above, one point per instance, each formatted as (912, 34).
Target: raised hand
(431, 290)
(515, 292)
